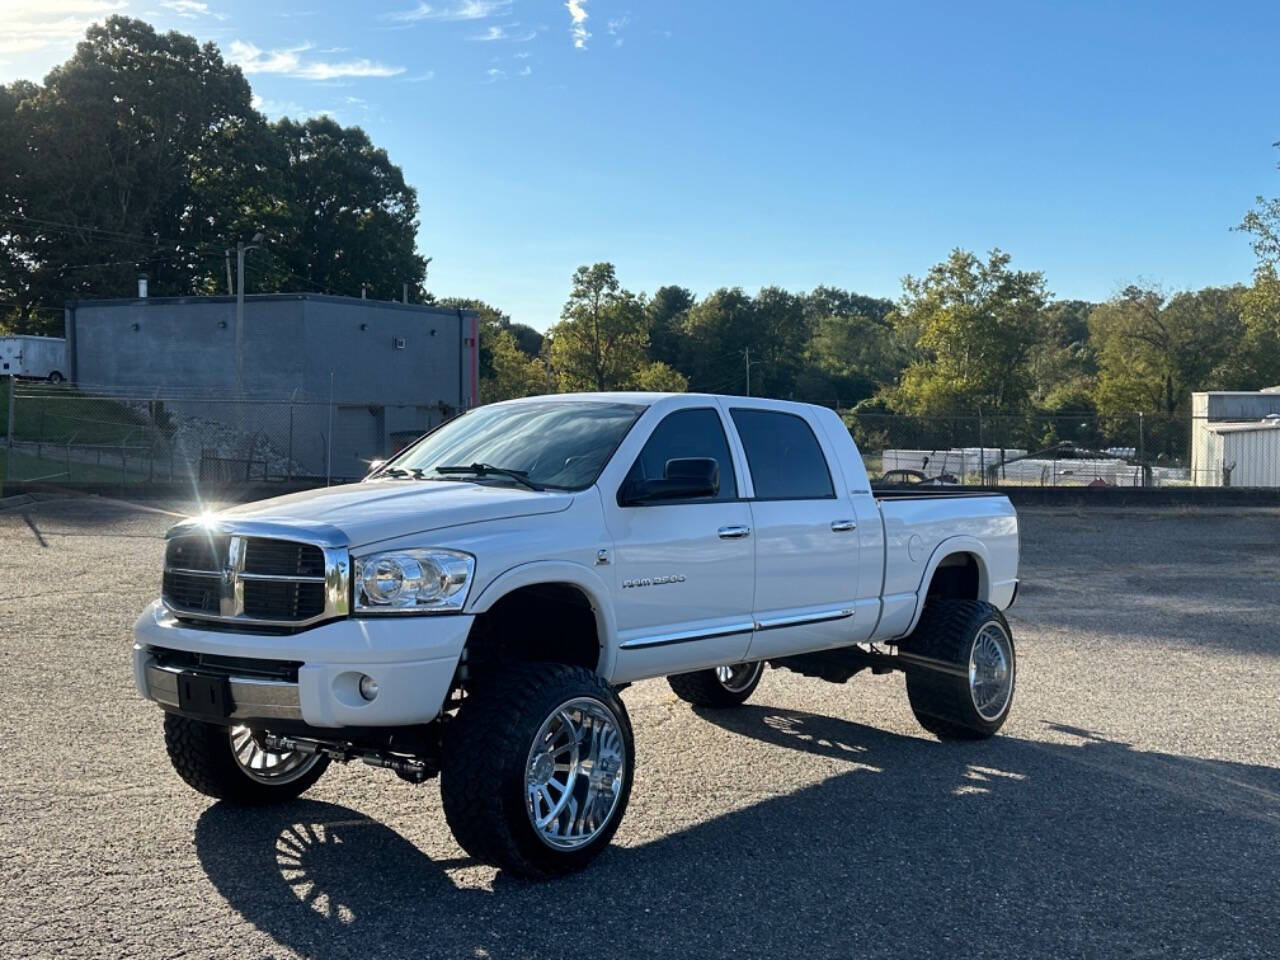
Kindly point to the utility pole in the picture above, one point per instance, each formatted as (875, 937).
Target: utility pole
(231, 291)
(241, 249)
(746, 362)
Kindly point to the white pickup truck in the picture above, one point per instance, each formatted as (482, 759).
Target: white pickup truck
(472, 609)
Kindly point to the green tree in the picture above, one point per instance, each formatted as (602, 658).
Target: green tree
(512, 372)
(1154, 350)
(716, 331)
(1256, 361)
(853, 351)
(511, 364)
(665, 314)
(729, 329)
(659, 378)
(346, 221)
(139, 153)
(973, 324)
(600, 341)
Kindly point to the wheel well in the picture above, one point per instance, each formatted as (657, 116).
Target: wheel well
(957, 577)
(551, 622)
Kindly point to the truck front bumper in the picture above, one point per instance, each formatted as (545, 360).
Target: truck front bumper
(411, 659)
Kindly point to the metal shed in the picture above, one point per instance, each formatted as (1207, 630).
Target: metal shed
(1242, 454)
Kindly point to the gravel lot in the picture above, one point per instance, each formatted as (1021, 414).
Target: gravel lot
(1131, 806)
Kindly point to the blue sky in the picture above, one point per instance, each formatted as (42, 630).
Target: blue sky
(752, 143)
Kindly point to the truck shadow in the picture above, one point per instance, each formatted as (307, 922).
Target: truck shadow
(912, 847)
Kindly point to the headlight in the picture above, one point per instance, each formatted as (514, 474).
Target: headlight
(413, 581)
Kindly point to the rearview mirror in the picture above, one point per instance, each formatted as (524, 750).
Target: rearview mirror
(690, 478)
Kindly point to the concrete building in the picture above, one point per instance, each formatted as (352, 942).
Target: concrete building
(1233, 438)
(323, 384)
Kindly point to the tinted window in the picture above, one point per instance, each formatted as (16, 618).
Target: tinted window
(687, 433)
(784, 456)
(560, 444)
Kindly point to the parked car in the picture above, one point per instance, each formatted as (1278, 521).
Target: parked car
(473, 608)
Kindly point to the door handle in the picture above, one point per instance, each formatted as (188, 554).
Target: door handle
(733, 533)
(843, 526)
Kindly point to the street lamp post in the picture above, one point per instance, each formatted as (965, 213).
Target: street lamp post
(241, 249)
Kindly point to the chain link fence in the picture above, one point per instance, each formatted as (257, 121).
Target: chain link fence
(1121, 450)
(64, 434)
(61, 434)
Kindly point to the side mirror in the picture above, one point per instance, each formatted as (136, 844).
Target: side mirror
(691, 478)
(374, 467)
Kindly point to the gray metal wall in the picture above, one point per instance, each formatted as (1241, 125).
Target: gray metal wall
(390, 370)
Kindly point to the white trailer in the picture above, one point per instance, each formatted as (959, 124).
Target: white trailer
(38, 358)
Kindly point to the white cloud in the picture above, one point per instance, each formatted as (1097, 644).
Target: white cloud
(511, 33)
(526, 71)
(578, 29)
(494, 75)
(51, 23)
(465, 10)
(420, 78)
(290, 62)
(275, 109)
(191, 9)
(523, 55)
(616, 26)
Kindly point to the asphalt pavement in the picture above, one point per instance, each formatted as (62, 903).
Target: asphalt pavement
(1129, 808)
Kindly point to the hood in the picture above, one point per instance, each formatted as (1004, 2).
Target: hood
(383, 509)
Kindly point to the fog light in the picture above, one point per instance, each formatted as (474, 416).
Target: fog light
(368, 687)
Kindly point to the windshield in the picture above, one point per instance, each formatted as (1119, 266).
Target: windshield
(562, 445)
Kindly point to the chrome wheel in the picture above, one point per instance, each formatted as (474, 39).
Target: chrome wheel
(739, 676)
(265, 766)
(574, 773)
(991, 671)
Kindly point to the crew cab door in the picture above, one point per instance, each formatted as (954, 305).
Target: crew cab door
(684, 570)
(806, 535)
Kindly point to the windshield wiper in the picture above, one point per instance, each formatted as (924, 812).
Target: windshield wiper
(487, 469)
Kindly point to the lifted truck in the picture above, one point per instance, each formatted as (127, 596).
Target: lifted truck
(471, 610)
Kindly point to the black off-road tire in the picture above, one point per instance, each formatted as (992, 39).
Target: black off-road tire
(201, 754)
(937, 655)
(704, 688)
(482, 771)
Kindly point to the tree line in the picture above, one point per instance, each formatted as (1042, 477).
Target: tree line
(971, 338)
(143, 153)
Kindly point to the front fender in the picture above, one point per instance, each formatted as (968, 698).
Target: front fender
(559, 571)
(947, 548)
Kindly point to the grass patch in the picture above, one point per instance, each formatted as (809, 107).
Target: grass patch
(63, 415)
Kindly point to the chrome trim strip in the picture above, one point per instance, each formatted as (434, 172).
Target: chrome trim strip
(316, 534)
(663, 639)
(280, 578)
(795, 620)
(251, 698)
(187, 571)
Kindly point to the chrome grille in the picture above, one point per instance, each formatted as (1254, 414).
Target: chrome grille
(230, 573)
